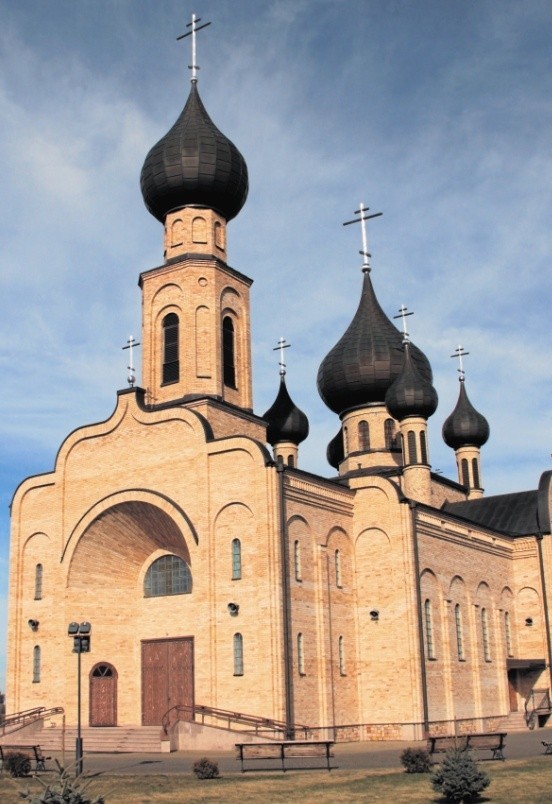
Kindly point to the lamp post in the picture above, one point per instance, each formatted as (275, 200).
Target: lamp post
(80, 632)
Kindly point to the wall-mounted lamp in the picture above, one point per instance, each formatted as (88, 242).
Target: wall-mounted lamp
(374, 615)
(529, 621)
(233, 609)
(33, 625)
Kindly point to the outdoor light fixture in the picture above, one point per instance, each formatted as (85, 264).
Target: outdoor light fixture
(233, 608)
(80, 633)
(33, 625)
(374, 615)
(528, 621)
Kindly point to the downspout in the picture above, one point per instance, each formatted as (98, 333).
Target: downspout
(423, 676)
(286, 602)
(545, 604)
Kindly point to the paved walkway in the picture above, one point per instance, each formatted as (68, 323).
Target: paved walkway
(355, 756)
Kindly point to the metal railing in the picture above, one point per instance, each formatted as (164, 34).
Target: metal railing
(20, 719)
(537, 703)
(229, 720)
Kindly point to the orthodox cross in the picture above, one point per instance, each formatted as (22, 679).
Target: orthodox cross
(459, 352)
(362, 220)
(131, 379)
(403, 312)
(195, 28)
(281, 346)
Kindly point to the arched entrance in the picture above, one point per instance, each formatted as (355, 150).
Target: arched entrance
(103, 695)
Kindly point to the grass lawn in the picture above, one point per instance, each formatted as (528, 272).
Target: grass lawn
(512, 782)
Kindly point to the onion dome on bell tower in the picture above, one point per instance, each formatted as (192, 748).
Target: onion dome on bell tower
(411, 394)
(465, 431)
(287, 424)
(335, 452)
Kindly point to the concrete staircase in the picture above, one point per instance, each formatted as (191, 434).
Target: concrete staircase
(119, 739)
(514, 722)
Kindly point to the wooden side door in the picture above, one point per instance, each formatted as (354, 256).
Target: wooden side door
(103, 695)
(167, 677)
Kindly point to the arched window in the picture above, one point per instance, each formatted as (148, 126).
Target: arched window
(219, 235)
(38, 582)
(171, 362)
(337, 559)
(412, 452)
(430, 646)
(36, 664)
(300, 655)
(345, 442)
(169, 575)
(341, 654)
(508, 633)
(228, 352)
(423, 448)
(238, 655)
(297, 560)
(475, 474)
(389, 433)
(363, 436)
(291, 461)
(236, 560)
(199, 230)
(465, 473)
(485, 635)
(459, 635)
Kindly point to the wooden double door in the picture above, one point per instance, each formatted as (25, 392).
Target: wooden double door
(167, 677)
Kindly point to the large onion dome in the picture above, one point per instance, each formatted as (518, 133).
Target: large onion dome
(335, 451)
(367, 360)
(410, 394)
(194, 164)
(465, 427)
(286, 422)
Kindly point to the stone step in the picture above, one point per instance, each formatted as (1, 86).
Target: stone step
(514, 722)
(118, 739)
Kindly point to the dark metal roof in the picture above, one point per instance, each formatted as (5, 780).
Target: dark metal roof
(286, 422)
(465, 427)
(194, 164)
(411, 394)
(335, 451)
(514, 514)
(367, 359)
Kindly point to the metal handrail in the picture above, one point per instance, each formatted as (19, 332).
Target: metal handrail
(258, 724)
(27, 716)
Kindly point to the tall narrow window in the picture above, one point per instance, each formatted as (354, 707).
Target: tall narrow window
(459, 635)
(38, 582)
(337, 559)
(36, 664)
(171, 362)
(475, 473)
(412, 452)
(485, 635)
(341, 654)
(300, 655)
(363, 436)
(236, 560)
(238, 655)
(430, 645)
(297, 559)
(465, 473)
(508, 632)
(291, 461)
(228, 352)
(345, 442)
(423, 448)
(389, 433)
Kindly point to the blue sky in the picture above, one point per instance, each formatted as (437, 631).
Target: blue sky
(436, 112)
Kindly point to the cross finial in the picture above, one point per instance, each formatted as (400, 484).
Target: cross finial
(460, 352)
(194, 29)
(366, 268)
(131, 379)
(281, 346)
(403, 312)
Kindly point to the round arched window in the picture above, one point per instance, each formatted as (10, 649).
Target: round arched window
(169, 575)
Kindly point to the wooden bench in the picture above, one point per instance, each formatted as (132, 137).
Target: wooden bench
(35, 752)
(547, 747)
(284, 752)
(493, 741)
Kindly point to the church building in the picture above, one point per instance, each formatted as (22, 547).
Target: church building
(220, 586)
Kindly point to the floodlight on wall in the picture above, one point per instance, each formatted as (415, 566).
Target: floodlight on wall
(529, 621)
(233, 609)
(33, 625)
(374, 615)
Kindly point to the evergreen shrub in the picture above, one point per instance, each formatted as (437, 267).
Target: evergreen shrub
(416, 760)
(459, 778)
(18, 763)
(205, 769)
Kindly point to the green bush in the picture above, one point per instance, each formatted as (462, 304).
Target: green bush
(416, 760)
(17, 763)
(66, 789)
(206, 769)
(458, 778)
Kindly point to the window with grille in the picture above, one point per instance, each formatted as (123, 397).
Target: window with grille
(423, 448)
(459, 634)
(38, 582)
(412, 451)
(363, 436)
(300, 655)
(36, 664)
(389, 433)
(465, 473)
(430, 645)
(297, 559)
(238, 655)
(508, 632)
(168, 575)
(337, 561)
(475, 473)
(236, 560)
(341, 655)
(171, 362)
(485, 635)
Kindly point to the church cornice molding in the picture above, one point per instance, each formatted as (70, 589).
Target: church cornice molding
(188, 259)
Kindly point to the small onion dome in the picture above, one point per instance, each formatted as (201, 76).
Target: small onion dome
(465, 427)
(410, 394)
(285, 421)
(367, 360)
(335, 451)
(194, 164)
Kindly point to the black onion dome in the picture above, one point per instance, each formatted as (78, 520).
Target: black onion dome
(465, 427)
(285, 421)
(368, 358)
(410, 394)
(335, 451)
(194, 164)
